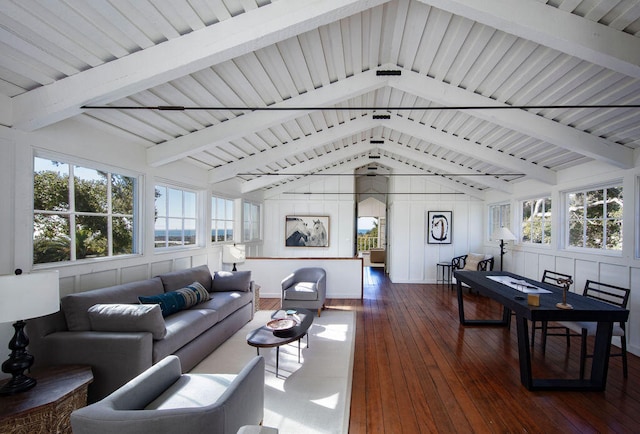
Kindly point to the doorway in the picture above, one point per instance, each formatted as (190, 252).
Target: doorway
(371, 211)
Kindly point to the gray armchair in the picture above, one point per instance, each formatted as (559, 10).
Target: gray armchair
(306, 288)
(161, 400)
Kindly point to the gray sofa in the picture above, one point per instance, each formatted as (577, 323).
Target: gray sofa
(119, 338)
(162, 401)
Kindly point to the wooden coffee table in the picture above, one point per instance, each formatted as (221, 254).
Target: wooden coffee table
(266, 337)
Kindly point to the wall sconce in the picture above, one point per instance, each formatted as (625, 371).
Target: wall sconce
(233, 254)
(25, 296)
(503, 234)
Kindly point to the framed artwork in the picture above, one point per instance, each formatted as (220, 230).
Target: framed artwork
(439, 227)
(306, 231)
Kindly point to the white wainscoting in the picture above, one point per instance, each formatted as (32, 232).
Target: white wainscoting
(344, 275)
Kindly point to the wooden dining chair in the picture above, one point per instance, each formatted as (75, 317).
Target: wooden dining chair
(556, 279)
(611, 294)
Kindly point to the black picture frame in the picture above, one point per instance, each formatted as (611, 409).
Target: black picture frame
(439, 227)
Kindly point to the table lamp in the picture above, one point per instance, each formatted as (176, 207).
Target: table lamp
(233, 254)
(503, 234)
(25, 296)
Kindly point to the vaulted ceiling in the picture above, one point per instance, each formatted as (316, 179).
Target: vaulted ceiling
(484, 94)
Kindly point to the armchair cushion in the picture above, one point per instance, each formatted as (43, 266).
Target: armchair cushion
(128, 318)
(302, 291)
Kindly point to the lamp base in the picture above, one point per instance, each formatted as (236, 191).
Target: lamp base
(18, 362)
(19, 383)
(564, 306)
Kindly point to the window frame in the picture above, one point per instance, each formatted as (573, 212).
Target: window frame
(566, 226)
(229, 205)
(504, 220)
(197, 219)
(253, 225)
(136, 217)
(544, 221)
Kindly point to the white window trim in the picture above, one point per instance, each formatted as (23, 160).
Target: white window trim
(200, 217)
(564, 199)
(138, 206)
(519, 233)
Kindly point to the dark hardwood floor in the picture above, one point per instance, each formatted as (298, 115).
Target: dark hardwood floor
(416, 370)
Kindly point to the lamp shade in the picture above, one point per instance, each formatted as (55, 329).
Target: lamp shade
(233, 254)
(503, 234)
(28, 296)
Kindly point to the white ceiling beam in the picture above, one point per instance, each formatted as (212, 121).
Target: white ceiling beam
(554, 28)
(310, 166)
(178, 57)
(518, 120)
(470, 149)
(210, 137)
(281, 151)
(445, 167)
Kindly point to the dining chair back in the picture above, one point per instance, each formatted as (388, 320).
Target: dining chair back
(558, 280)
(615, 295)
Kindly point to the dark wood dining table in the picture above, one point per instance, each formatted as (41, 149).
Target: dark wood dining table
(512, 300)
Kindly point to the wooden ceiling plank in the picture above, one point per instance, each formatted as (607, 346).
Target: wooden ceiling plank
(447, 167)
(103, 15)
(272, 155)
(474, 150)
(554, 28)
(309, 166)
(518, 120)
(65, 47)
(189, 53)
(256, 121)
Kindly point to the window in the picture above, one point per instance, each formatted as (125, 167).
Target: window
(499, 215)
(251, 221)
(536, 221)
(595, 218)
(175, 214)
(80, 212)
(221, 219)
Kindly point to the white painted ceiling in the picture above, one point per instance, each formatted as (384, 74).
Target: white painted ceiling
(291, 87)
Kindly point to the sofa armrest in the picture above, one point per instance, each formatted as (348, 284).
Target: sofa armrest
(114, 357)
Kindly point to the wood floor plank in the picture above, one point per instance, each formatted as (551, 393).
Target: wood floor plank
(416, 370)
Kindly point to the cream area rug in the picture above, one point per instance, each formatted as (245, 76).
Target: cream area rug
(309, 397)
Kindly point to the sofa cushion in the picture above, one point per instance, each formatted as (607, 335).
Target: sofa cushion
(76, 306)
(226, 303)
(128, 318)
(182, 328)
(181, 278)
(472, 261)
(231, 281)
(192, 391)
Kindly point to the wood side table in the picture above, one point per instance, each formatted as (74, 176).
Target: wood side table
(47, 407)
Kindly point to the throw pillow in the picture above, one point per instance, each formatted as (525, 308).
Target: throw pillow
(231, 281)
(193, 294)
(471, 263)
(170, 302)
(127, 318)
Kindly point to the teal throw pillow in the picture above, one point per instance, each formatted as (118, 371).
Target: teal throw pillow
(175, 301)
(170, 302)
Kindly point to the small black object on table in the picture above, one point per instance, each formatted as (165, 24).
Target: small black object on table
(267, 337)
